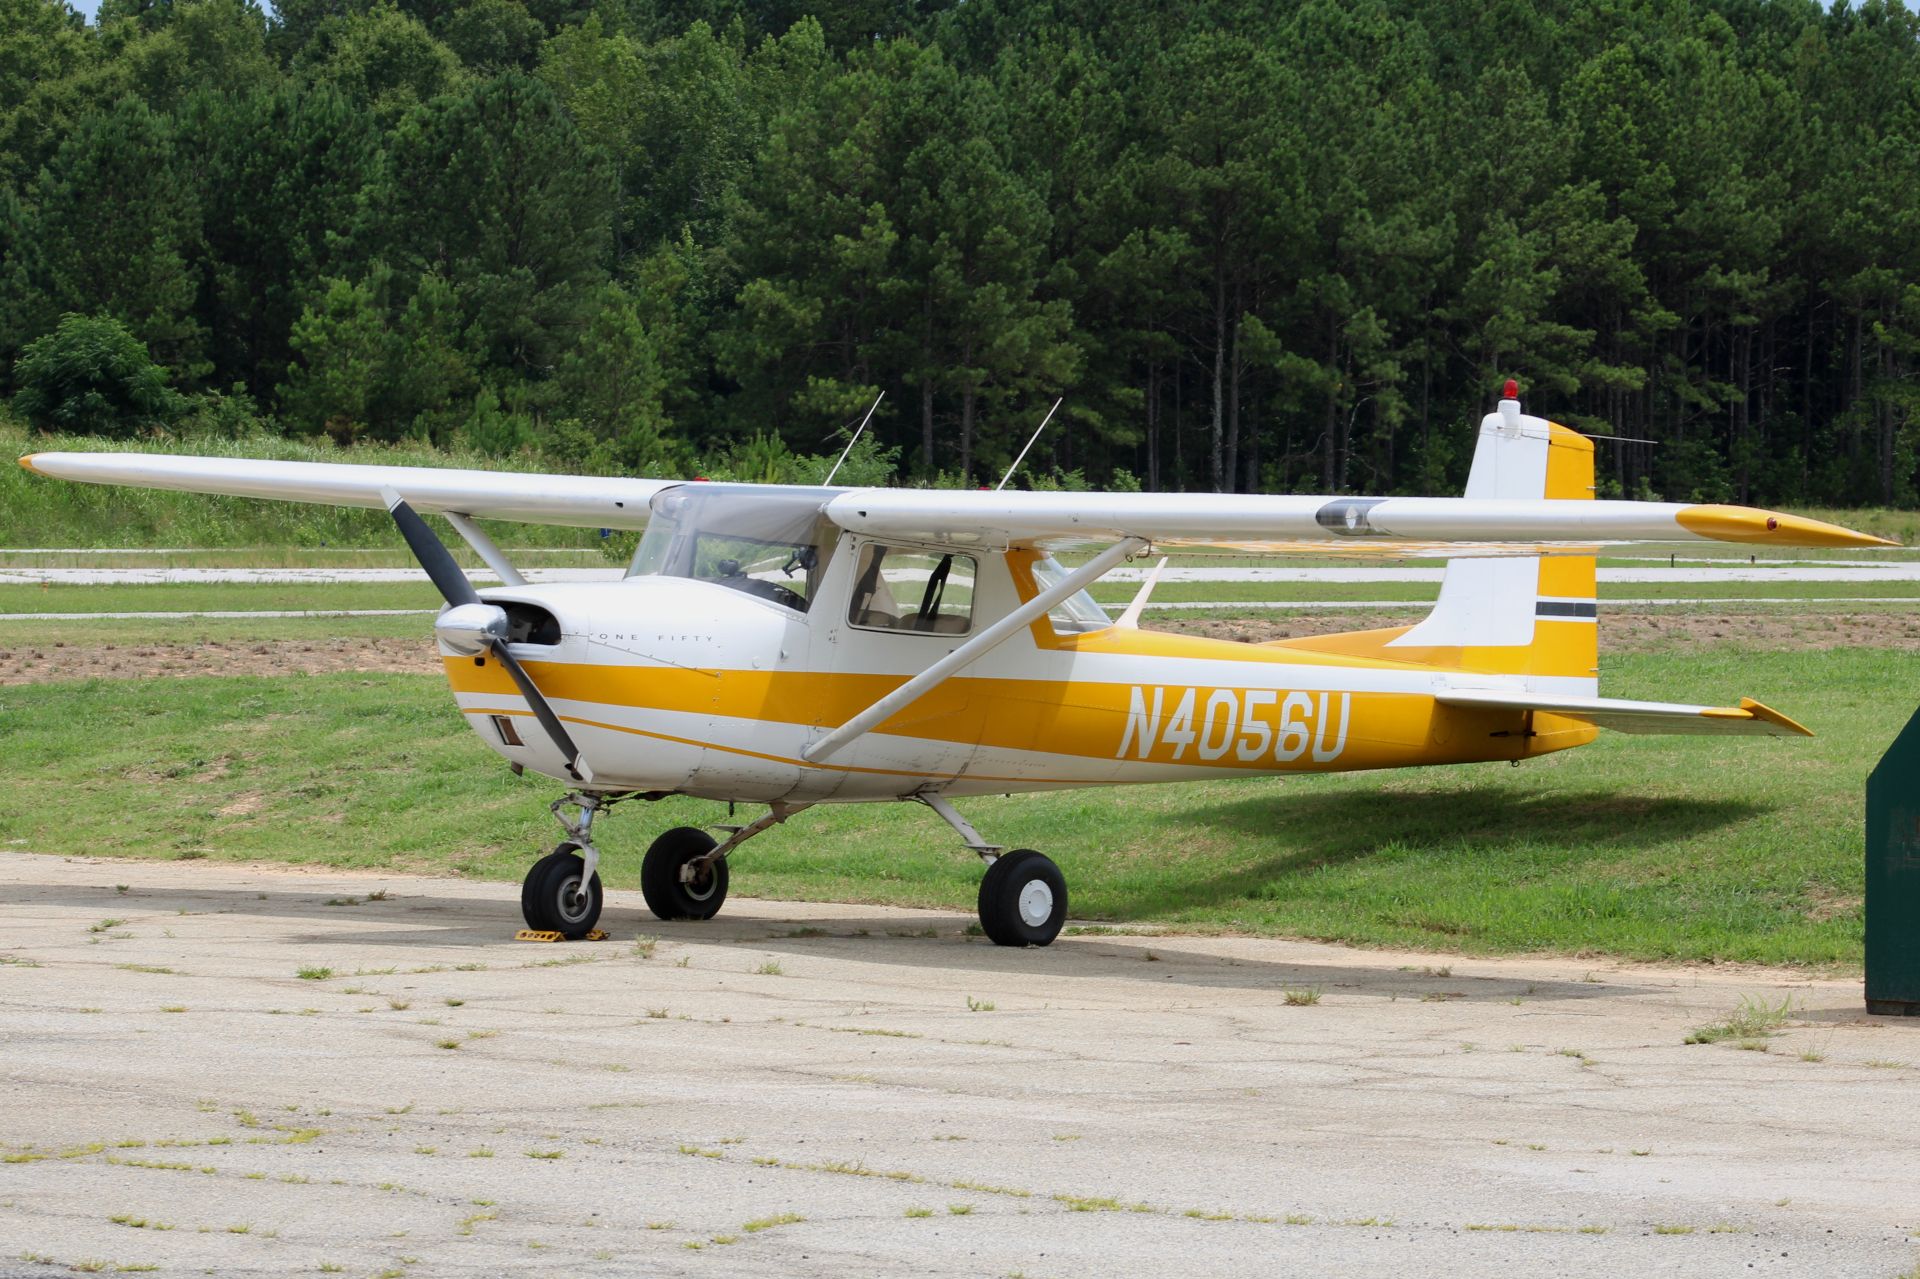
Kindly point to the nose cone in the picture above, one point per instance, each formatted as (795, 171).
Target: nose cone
(469, 629)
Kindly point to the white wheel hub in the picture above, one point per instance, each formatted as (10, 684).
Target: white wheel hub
(1036, 903)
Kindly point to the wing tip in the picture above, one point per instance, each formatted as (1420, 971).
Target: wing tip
(1746, 524)
(1761, 711)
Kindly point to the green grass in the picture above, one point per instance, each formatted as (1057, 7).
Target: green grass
(140, 631)
(188, 597)
(1754, 1019)
(1728, 849)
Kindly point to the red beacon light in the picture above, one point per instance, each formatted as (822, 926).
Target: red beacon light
(1511, 391)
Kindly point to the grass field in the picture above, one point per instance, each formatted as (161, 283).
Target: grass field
(1697, 849)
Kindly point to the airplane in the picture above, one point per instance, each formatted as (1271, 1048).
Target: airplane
(788, 646)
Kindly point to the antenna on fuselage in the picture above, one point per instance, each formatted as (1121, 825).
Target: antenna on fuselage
(855, 440)
(1030, 443)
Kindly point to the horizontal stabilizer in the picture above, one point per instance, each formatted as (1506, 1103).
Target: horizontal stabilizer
(1750, 717)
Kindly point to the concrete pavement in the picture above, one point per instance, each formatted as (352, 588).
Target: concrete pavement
(836, 1090)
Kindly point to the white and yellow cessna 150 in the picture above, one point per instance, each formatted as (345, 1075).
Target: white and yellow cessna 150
(792, 646)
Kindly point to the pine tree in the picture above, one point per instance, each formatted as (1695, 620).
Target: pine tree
(114, 229)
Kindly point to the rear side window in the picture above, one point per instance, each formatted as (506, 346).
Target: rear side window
(896, 589)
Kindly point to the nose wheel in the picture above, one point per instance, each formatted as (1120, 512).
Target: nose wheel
(559, 895)
(562, 893)
(1023, 899)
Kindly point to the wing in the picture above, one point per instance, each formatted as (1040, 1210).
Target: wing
(1374, 527)
(587, 501)
(1749, 718)
(1530, 492)
(1390, 526)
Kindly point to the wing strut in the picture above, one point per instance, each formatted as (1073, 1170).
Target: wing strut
(974, 649)
(483, 546)
(1131, 618)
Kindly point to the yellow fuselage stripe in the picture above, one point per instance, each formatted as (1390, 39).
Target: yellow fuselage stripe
(1210, 726)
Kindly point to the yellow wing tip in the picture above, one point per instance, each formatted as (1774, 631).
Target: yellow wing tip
(1750, 709)
(1745, 524)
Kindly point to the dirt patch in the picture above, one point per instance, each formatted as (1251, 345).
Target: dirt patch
(243, 805)
(1619, 633)
(57, 662)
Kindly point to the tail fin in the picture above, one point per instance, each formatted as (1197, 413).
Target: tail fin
(1534, 617)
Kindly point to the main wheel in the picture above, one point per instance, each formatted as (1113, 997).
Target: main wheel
(553, 900)
(669, 894)
(1023, 899)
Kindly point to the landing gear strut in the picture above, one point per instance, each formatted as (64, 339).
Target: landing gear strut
(1023, 896)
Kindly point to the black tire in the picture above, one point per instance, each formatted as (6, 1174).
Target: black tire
(550, 897)
(1023, 899)
(667, 896)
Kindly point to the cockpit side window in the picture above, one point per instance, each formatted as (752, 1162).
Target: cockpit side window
(901, 589)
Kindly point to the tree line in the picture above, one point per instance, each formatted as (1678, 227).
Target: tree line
(1272, 247)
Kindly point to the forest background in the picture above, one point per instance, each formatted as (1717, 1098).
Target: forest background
(1256, 247)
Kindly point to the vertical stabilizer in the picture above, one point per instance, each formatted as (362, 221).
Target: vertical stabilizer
(1519, 616)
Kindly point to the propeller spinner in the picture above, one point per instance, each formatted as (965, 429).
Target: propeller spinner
(471, 626)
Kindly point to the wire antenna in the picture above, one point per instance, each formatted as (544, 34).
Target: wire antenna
(1030, 443)
(1619, 439)
(855, 440)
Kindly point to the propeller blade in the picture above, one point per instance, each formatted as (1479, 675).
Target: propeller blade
(452, 581)
(543, 712)
(432, 553)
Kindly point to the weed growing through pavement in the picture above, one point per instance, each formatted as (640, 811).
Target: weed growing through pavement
(1755, 1019)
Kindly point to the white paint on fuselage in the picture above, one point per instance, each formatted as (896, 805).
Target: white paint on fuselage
(688, 626)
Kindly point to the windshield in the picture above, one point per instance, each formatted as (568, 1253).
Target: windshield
(764, 540)
(1075, 614)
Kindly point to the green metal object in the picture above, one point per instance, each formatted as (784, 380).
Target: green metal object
(1893, 877)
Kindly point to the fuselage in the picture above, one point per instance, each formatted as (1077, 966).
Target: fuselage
(676, 685)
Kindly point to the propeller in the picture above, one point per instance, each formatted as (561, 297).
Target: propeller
(472, 626)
